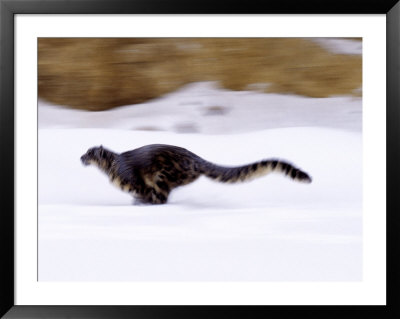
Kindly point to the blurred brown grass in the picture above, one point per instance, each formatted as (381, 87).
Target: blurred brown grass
(101, 73)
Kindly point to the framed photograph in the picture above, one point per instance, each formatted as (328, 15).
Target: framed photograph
(194, 160)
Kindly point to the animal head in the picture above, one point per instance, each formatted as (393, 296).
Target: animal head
(94, 155)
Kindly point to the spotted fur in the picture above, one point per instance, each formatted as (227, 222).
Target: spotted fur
(151, 172)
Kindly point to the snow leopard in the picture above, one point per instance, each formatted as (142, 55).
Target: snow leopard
(149, 173)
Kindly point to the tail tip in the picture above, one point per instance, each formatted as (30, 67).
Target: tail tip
(304, 178)
(308, 180)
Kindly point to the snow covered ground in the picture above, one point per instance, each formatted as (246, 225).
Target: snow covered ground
(206, 108)
(270, 229)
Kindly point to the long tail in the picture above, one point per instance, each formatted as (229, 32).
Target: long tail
(248, 172)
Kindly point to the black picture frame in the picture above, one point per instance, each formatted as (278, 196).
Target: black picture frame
(9, 8)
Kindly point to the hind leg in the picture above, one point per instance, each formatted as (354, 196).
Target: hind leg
(139, 201)
(157, 197)
(158, 189)
(151, 190)
(151, 196)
